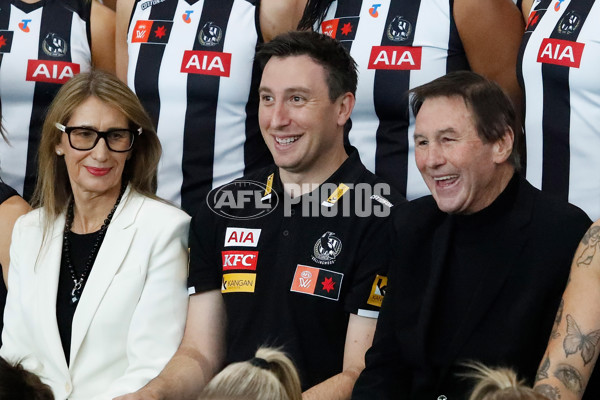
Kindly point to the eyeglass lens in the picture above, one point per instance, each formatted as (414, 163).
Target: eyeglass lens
(86, 139)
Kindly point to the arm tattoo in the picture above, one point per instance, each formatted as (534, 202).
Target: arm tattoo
(551, 392)
(569, 377)
(591, 241)
(554, 334)
(543, 371)
(576, 341)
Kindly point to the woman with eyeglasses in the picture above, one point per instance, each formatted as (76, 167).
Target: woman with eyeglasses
(97, 298)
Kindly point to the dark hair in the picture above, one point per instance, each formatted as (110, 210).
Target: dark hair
(325, 51)
(314, 11)
(16, 383)
(492, 109)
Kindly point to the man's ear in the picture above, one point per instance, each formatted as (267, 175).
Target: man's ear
(503, 147)
(346, 105)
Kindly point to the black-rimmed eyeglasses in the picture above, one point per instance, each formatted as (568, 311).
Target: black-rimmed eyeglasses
(85, 138)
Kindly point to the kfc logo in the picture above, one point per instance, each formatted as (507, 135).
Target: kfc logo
(239, 260)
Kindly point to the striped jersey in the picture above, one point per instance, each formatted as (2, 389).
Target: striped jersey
(42, 45)
(192, 66)
(557, 65)
(398, 45)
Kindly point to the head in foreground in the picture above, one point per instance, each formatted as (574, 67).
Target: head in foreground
(498, 384)
(16, 383)
(270, 375)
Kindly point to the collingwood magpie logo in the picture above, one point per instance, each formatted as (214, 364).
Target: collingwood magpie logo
(54, 46)
(399, 29)
(210, 35)
(569, 23)
(327, 248)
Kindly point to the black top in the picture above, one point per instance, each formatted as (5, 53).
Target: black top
(501, 313)
(80, 246)
(289, 280)
(6, 192)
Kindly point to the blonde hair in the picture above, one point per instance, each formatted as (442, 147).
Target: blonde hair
(498, 384)
(271, 375)
(53, 188)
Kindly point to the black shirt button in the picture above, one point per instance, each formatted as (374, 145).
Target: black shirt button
(286, 233)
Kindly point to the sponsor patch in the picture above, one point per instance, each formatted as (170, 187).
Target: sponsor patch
(326, 249)
(341, 28)
(317, 282)
(206, 63)
(50, 71)
(395, 57)
(186, 16)
(24, 25)
(336, 195)
(534, 18)
(54, 46)
(239, 260)
(150, 3)
(6, 38)
(377, 291)
(236, 283)
(156, 32)
(373, 10)
(242, 237)
(560, 52)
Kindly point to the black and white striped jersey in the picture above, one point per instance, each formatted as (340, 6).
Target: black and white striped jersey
(398, 45)
(192, 66)
(42, 45)
(557, 65)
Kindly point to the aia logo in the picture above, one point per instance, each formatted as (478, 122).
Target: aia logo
(51, 71)
(206, 63)
(560, 52)
(186, 16)
(373, 10)
(395, 57)
(23, 25)
(243, 237)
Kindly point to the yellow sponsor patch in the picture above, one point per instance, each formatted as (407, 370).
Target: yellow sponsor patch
(378, 291)
(338, 193)
(238, 283)
(269, 187)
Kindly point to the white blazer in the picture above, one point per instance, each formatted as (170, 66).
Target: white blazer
(131, 315)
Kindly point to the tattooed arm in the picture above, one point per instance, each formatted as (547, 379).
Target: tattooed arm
(573, 346)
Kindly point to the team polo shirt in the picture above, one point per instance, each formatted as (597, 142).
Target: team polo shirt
(292, 280)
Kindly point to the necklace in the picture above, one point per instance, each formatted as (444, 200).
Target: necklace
(79, 282)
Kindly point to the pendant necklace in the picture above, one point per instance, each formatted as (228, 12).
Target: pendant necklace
(79, 281)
